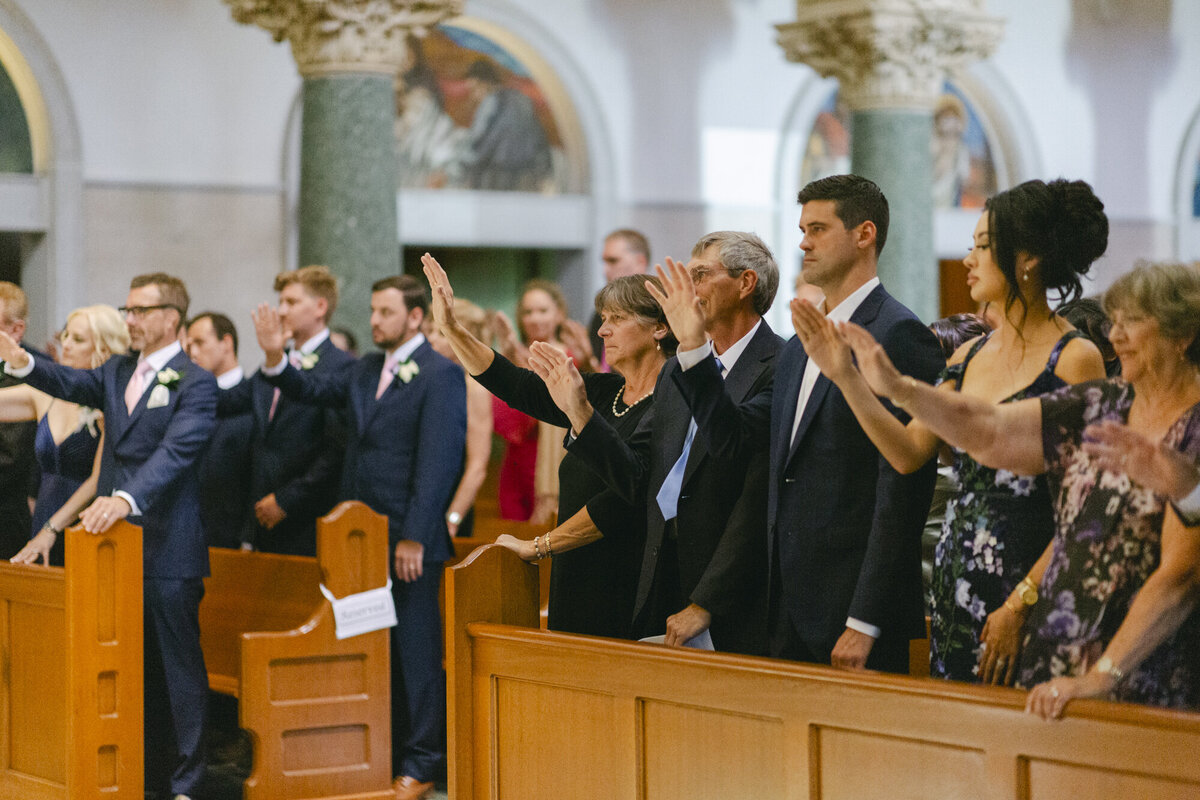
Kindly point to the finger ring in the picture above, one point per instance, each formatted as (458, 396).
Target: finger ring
(1054, 692)
(1000, 660)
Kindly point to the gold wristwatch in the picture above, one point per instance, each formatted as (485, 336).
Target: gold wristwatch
(1027, 592)
(1105, 666)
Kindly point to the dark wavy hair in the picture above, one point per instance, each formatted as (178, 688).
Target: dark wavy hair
(1061, 223)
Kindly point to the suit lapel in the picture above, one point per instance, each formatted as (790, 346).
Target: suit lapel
(118, 423)
(864, 315)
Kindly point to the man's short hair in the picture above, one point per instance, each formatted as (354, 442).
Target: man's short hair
(855, 200)
(412, 289)
(636, 240)
(739, 251)
(13, 302)
(317, 280)
(171, 291)
(222, 326)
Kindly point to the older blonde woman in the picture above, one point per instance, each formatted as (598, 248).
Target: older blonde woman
(1113, 611)
(70, 438)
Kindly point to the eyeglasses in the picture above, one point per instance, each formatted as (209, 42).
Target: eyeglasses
(141, 311)
(700, 274)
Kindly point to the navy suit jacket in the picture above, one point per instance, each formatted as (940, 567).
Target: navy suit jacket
(152, 454)
(844, 526)
(297, 454)
(722, 502)
(404, 452)
(225, 502)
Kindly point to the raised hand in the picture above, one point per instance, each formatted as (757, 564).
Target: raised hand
(268, 327)
(679, 304)
(822, 342)
(11, 352)
(1152, 464)
(440, 292)
(563, 381)
(881, 374)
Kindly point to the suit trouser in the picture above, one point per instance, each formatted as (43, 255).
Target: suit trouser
(418, 681)
(176, 684)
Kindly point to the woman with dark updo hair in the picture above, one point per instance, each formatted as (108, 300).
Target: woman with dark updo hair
(1033, 239)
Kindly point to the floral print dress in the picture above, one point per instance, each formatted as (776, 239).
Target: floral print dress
(995, 528)
(1107, 542)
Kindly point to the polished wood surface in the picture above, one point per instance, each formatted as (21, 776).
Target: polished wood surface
(71, 715)
(546, 715)
(318, 708)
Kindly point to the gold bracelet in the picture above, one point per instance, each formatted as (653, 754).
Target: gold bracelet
(1017, 611)
(911, 385)
(549, 549)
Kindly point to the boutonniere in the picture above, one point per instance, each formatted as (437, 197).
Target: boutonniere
(309, 360)
(168, 378)
(88, 417)
(407, 370)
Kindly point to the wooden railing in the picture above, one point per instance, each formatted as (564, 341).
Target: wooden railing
(535, 714)
(317, 707)
(71, 715)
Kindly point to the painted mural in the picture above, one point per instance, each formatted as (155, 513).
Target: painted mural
(964, 173)
(470, 116)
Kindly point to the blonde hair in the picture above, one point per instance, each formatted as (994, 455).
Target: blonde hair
(13, 303)
(317, 280)
(473, 318)
(110, 336)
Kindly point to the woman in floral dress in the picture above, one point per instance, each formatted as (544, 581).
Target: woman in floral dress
(1030, 240)
(1116, 609)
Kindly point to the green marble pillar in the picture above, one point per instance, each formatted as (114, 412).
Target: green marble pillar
(348, 187)
(892, 148)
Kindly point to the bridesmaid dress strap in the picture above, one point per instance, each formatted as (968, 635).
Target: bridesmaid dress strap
(1052, 362)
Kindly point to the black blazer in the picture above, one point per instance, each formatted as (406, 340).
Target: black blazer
(297, 454)
(722, 503)
(225, 502)
(844, 526)
(405, 451)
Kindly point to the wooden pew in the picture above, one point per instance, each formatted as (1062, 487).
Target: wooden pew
(317, 708)
(71, 714)
(535, 714)
(487, 530)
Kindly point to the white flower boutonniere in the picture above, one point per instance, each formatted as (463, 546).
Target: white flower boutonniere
(309, 360)
(407, 370)
(168, 378)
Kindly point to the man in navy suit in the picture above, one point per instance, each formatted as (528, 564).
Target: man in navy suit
(225, 503)
(159, 410)
(407, 421)
(297, 450)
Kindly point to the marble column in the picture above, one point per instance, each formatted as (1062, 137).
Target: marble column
(349, 53)
(891, 58)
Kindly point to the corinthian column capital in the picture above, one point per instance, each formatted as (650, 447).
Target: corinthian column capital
(345, 35)
(889, 53)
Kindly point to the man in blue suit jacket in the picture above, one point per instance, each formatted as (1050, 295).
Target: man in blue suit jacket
(159, 410)
(407, 420)
(297, 447)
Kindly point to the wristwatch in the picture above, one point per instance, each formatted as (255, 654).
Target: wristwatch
(454, 518)
(1105, 666)
(1027, 592)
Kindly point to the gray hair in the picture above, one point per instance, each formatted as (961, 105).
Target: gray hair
(1167, 292)
(739, 251)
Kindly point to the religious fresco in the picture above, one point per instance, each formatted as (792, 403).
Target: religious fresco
(469, 115)
(964, 173)
(16, 145)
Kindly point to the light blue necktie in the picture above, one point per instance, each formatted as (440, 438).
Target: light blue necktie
(668, 495)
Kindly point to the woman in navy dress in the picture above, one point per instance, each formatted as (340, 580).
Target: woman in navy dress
(69, 437)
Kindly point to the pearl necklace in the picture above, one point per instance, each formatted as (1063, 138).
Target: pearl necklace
(630, 406)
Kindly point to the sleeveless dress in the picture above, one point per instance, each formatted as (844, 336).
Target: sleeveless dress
(995, 527)
(64, 468)
(1107, 542)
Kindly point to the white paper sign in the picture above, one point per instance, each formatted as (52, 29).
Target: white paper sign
(356, 614)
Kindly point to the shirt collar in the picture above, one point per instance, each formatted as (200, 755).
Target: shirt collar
(314, 342)
(159, 358)
(845, 309)
(405, 351)
(735, 350)
(227, 380)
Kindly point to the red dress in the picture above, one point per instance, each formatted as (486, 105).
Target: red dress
(520, 433)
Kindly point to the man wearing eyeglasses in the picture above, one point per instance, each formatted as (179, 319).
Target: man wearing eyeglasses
(704, 563)
(159, 411)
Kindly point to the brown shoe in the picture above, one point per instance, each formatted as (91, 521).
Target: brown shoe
(409, 788)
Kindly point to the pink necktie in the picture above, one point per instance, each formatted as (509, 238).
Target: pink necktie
(137, 385)
(294, 358)
(385, 377)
